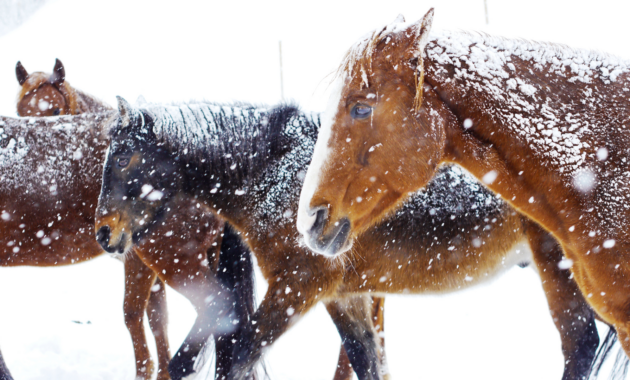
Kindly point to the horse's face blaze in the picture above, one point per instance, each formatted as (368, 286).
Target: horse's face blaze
(138, 182)
(372, 147)
(46, 100)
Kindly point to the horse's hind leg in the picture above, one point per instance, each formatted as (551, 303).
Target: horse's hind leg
(353, 318)
(4, 371)
(138, 281)
(158, 320)
(572, 316)
(344, 368)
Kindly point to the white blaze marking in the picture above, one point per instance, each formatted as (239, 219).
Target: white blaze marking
(319, 160)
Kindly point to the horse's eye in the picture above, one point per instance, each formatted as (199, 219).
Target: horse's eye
(361, 111)
(56, 112)
(122, 162)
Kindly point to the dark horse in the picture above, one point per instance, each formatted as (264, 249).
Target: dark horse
(51, 170)
(247, 164)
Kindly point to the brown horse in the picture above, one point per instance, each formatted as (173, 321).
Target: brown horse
(50, 94)
(543, 125)
(50, 171)
(247, 163)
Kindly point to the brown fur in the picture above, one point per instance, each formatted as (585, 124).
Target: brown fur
(56, 92)
(71, 209)
(414, 143)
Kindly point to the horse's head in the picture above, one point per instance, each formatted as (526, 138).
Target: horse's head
(139, 179)
(371, 141)
(44, 94)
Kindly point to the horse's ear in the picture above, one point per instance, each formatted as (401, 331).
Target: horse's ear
(423, 28)
(128, 115)
(59, 73)
(415, 39)
(21, 73)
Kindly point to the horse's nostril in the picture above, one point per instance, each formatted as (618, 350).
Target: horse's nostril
(320, 214)
(102, 236)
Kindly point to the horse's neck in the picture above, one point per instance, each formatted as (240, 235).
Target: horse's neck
(266, 197)
(538, 125)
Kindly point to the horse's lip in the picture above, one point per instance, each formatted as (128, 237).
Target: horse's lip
(332, 244)
(340, 238)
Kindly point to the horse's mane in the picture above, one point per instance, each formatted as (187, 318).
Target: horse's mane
(492, 56)
(584, 63)
(238, 137)
(360, 54)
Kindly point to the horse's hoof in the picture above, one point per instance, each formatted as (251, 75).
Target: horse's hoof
(163, 375)
(146, 372)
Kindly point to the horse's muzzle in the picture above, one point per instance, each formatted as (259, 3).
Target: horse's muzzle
(332, 244)
(103, 236)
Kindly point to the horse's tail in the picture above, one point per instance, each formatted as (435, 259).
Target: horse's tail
(620, 367)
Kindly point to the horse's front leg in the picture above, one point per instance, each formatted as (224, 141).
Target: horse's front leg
(353, 318)
(283, 305)
(4, 371)
(215, 315)
(138, 281)
(572, 316)
(158, 320)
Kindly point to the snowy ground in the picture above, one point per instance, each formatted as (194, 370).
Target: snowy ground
(177, 51)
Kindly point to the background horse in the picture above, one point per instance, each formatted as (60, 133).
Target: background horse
(450, 237)
(543, 125)
(50, 94)
(50, 171)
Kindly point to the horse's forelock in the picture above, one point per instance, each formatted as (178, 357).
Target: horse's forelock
(358, 59)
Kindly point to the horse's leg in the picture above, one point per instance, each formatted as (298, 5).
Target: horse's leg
(236, 274)
(213, 306)
(278, 310)
(232, 293)
(572, 316)
(138, 281)
(344, 367)
(158, 320)
(353, 318)
(4, 371)
(378, 315)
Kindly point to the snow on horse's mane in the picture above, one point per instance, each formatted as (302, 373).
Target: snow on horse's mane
(491, 56)
(559, 130)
